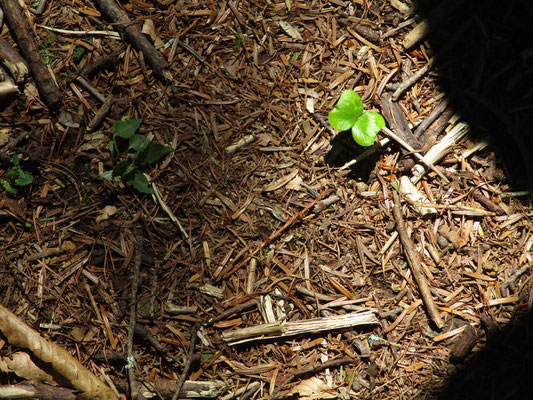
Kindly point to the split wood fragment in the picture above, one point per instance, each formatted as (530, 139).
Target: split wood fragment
(414, 263)
(190, 389)
(283, 330)
(426, 161)
(22, 32)
(441, 149)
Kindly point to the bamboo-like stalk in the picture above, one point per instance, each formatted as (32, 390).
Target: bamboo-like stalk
(281, 330)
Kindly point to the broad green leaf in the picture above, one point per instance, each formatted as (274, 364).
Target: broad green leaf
(24, 178)
(138, 142)
(107, 175)
(12, 172)
(348, 109)
(140, 183)
(15, 160)
(366, 128)
(152, 153)
(126, 129)
(122, 169)
(9, 188)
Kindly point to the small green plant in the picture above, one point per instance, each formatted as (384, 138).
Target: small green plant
(134, 152)
(17, 176)
(349, 114)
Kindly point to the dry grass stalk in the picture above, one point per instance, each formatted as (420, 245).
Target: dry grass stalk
(281, 330)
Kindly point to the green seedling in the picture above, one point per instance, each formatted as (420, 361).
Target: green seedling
(133, 152)
(349, 114)
(16, 176)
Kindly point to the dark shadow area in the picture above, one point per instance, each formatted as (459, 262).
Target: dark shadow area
(483, 52)
(501, 370)
(344, 149)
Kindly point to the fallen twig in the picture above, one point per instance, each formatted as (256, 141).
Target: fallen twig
(279, 330)
(133, 34)
(433, 115)
(414, 262)
(411, 80)
(13, 61)
(188, 363)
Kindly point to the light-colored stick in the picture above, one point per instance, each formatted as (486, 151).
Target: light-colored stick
(407, 146)
(440, 150)
(282, 330)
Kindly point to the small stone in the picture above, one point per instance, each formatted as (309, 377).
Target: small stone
(442, 242)
(361, 187)
(356, 385)
(451, 369)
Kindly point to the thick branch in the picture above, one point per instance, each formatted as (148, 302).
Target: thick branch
(22, 33)
(133, 34)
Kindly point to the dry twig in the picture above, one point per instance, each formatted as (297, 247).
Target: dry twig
(414, 263)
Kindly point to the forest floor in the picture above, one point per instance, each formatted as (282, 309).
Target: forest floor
(257, 221)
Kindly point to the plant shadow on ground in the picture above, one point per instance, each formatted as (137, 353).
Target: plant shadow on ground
(344, 149)
(484, 57)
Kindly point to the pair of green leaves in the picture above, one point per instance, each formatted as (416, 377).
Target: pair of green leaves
(135, 151)
(17, 176)
(349, 114)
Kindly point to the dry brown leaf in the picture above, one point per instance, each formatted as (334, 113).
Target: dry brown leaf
(68, 246)
(4, 136)
(22, 365)
(281, 182)
(312, 388)
(290, 30)
(148, 28)
(96, 140)
(106, 212)
(75, 374)
(295, 183)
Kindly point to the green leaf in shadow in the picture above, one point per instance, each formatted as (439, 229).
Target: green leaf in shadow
(140, 183)
(153, 152)
(126, 129)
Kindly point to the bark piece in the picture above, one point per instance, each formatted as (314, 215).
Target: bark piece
(22, 33)
(13, 61)
(397, 122)
(466, 342)
(133, 34)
